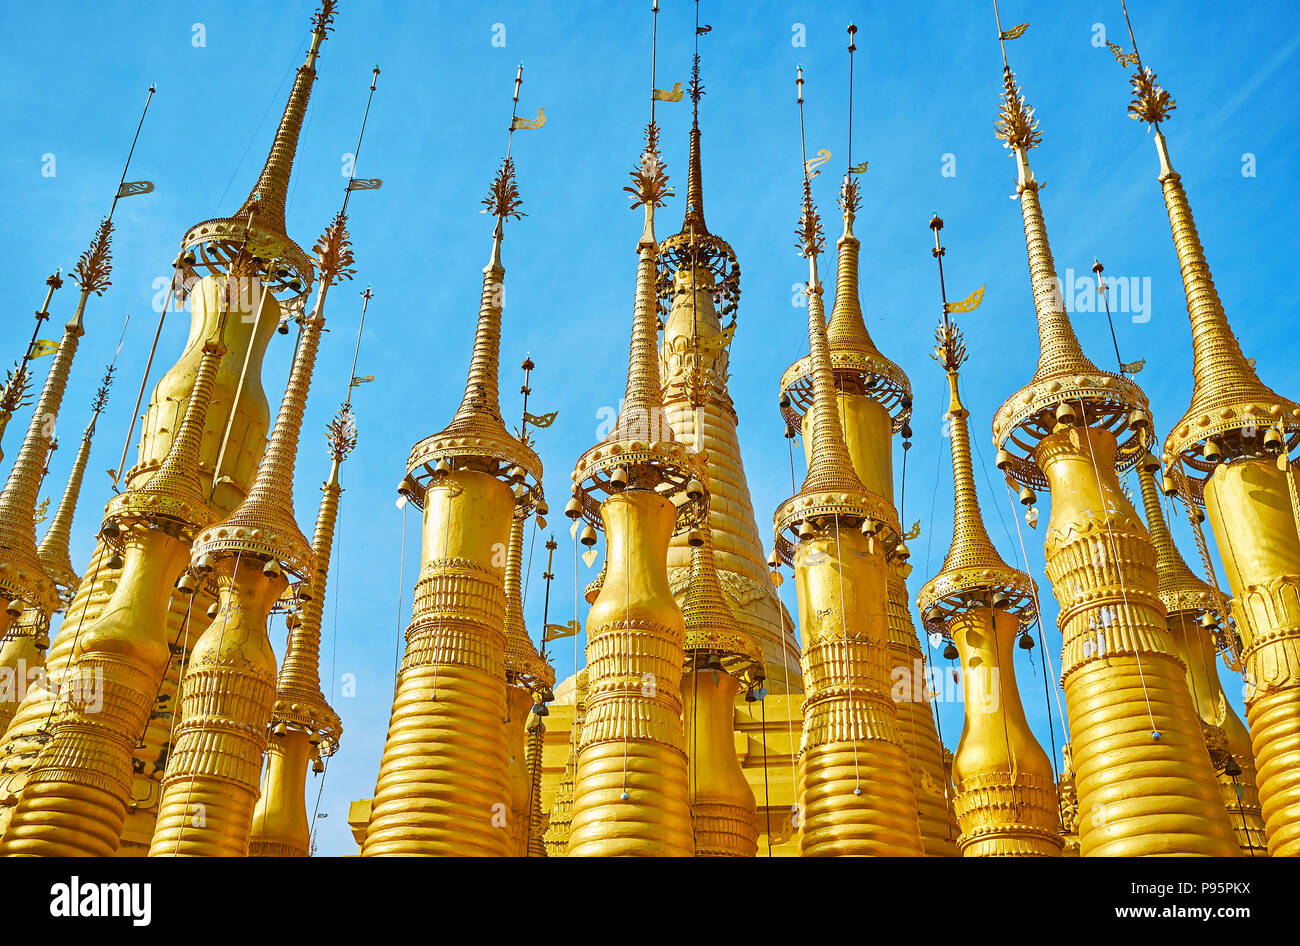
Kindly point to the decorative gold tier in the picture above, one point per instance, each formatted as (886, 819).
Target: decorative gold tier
(1143, 775)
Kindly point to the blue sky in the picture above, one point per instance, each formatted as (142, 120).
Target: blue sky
(928, 78)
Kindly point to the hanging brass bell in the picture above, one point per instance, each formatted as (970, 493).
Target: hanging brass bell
(695, 539)
(999, 600)
(14, 608)
(950, 652)
(785, 401)
(805, 531)
(292, 621)
(871, 526)
(1272, 440)
(272, 569)
(1139, 419)
(114, 560)
(1065, 413)
(41, 641)
(110, 530)
(517, 474)
(283, 327)
(306, 592)
(280, 729)
(1027, 496)
(1026, 642)
(317, 766)
(520, 492)
(1211, 451)
(1168, 486)
(204, 563)
(1004, 458)
(901, 552)
(618, 479)
(1209, 621)
(186, 584)
(213, 610)
(442, 467)
(694, 489)
(543, 510)
(573, 508)
(773, 559)
(1150, 463)
(588, 536)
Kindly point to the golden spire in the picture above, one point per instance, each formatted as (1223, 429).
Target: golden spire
(477, 435)
(711, 627)
(299, 700)
(53, 550)
(524, 666)
(973, 573)
(1227, 394)
(642, 451)
(22, 576)
(1179, 588)
(858, 365)
(831, 487)
(264, 523)
(1065, 376)
(258, 226)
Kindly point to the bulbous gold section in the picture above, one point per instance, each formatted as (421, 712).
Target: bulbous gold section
(630, 784)
(280, 827)
(1006, 798)
(1254, 527)
(857, 792)
(722, 803)
(212, 778)
(442, 786)
(1125, 689)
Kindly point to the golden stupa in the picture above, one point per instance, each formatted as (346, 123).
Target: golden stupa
(701, 718)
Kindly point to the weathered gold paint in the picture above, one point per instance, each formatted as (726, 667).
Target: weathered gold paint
(1248, 506)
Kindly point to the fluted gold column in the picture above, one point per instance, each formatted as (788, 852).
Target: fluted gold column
(75, 797)
(874, 398)
(442, 781)
(1125, 688)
